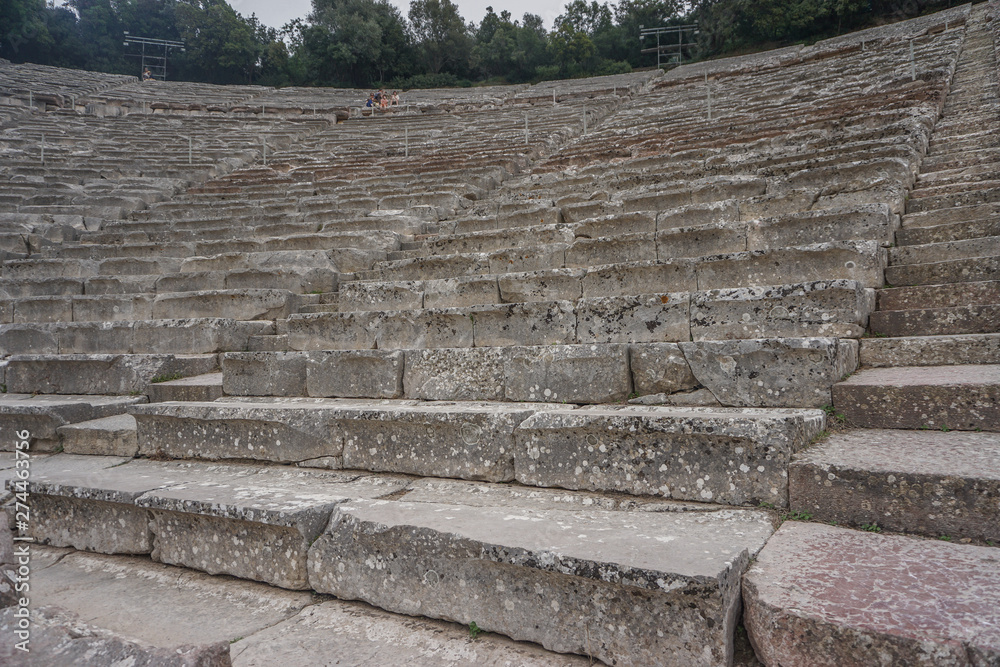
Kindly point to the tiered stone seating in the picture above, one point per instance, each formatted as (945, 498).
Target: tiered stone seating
(45, 87)
(556, 384)
(170, 97)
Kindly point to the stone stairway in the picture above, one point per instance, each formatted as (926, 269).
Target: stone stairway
(559, 386)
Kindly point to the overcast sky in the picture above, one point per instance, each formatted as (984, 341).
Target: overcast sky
(276, 14)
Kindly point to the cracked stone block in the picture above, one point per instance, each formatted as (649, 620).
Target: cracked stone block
(42, 415)
(568, 374)
(734, 456)
(115, 374)
(660, 368)
(427, 328)
(622, 587)
(543, 323)
(772, 372)
(108, 436)
(865, 598)
(641, 278)
(863, 261)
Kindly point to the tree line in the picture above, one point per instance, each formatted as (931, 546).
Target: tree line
(361, 43)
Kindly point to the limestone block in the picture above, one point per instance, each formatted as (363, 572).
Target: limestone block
(611, 225)
(196, 336)
(716, 212)
(107, 436)
(461, 292)
(112, 308)
(527, 214)
(647, 318)
(234, 304)
(377, 296)
(868, 222)
(82, 522)
(772, 372)
(733, 456)
(264, 373)
(546, 577)
(641, 278)
(42, 415)
(467, 441)
(556, 284)
(115, 374)
(333, 331)
(27, 339)
(863, 261)
(280, 430)
(354, 374)
(611, 250)
(456, 374)
(537, 258)
(660, 368)
(712, 239)
(543, 323)
(855, 595)
(568, 374)
(834, 308)
(426, 328)
(44, 309)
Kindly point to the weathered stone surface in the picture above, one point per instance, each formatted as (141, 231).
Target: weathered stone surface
(568, 374)
(864, 598)
(925, 482)
(456, 374)
(870, 221)
(557, 284)
(364, 296)
(937, 321)
(956, 397)
(207, 387)
(60, 638)
(464, 440)
(264, 373)
(461, 292)
(247, 304)
(772, 372)
(362, 636)
(930, 350)
(107, 436)
(426, 328)
(355, 374)
(862, 261)
(660, 368)
(641, 278)
(555, 577)
(333, 331)
(115, 374)
(544, 323)
(82, 523)
(41, 416)
(648, 318)
(160, 605)
(281, 430)
(836, 308)
(723, 455)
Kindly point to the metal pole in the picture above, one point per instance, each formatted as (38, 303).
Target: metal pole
(584, 121)
(31, 99)
(525, 128)
(553, 97)
(406, 141)
(913, 64)
(263, 141)
(190, 151)
(708, 87)
(43, 148)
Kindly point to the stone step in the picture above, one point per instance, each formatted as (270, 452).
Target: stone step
(41, 416)
(924, 482)
(153, 609)
(847, 260)
(984, 246)
(863, 598)
(678, 565)
(956, 214)
(976, 269)
(107, 436)
(930, 199)
(913, 397)
(937, 321)
(772, 372)
(207, 387)
(955, 231)
(930, 350)
(188, 336)
(948, 295)
(536, 444)
(91, 374)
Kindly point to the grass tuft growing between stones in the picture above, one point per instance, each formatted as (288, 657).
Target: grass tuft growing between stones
(166, 378)
(474, 630)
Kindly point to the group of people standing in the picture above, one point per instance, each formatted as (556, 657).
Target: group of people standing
(382, 99)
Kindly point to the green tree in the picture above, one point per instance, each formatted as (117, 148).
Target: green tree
(221, 46)
(24, 34)
(443, 38)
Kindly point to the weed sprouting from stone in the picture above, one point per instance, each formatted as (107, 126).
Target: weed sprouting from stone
(474, 630)
(871, 527)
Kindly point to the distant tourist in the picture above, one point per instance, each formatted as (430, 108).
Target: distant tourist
(147, 75)
(395, 98)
